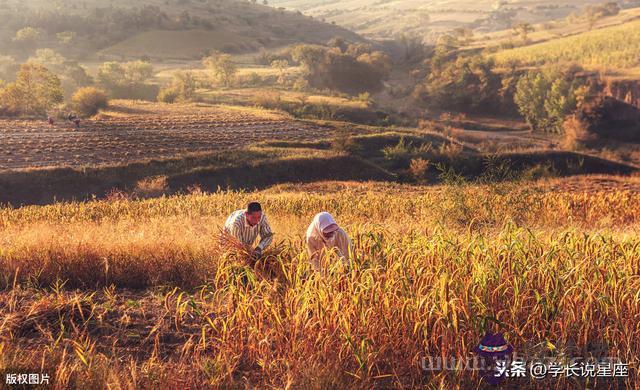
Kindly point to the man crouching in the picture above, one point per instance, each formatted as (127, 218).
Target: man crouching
(246, 225)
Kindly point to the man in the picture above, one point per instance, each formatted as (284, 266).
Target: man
(246, 225)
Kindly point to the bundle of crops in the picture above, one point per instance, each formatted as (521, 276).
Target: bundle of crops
(268, 264)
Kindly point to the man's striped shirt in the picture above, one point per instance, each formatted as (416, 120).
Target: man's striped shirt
(238, 227)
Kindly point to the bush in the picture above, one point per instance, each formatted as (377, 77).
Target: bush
(168, 95)
(268, 99)
(576, 134)
(449, 151)
(400, 152)
(151, 187)
(345, 144)
(602, 118)
(252, 79)
(182, 88)
(89, 100)
(419, 168)
(365, 97)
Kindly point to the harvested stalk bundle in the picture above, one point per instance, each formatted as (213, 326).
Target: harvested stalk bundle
(267, 265)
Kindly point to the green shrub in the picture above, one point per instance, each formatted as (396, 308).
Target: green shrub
(545, 99)
(400, 152)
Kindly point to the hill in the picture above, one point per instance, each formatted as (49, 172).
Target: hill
(172, 29)
(390, 18)
(612, 49)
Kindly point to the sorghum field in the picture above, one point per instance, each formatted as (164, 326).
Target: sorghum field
(139, 293)
(610, 48)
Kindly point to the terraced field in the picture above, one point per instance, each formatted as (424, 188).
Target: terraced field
(141, 131)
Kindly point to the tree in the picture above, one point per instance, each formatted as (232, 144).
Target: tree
(182, 88)
(221, 67)
(281, 66)
(446, 47)
(71, 74)
(27, 38)
(308, 55)
(523, 30)
(66, 37)
(8, 67)
(184, 83)
(339, 43)
(111, 74)
(137, 72)
(594, 13)
(464, 34)
(329, 68)
(545, 99)
(531, 93)
(592, 17)
(379, 61)
(89, 100)
(413, 46)
(561, 101)
(75, 76)
(50, 59)
(358, 49)
(128, 80)
(466, 84)
(128, 74)
(611, 8)
(35, 91)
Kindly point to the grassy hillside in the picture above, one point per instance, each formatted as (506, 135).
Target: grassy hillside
(138, 294)
(182, 29)
(613, 49)
(430, 18)
(550, 30)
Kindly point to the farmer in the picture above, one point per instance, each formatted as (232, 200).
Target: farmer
(325, 235)
(246, 225)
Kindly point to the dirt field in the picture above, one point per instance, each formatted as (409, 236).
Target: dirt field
(141, 131)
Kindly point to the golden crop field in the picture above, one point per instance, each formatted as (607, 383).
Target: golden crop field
(613, 48)
(139, 294)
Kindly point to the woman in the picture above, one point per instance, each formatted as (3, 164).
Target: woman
(324, 235)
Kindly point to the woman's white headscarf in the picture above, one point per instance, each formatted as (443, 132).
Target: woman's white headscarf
(320, 222)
